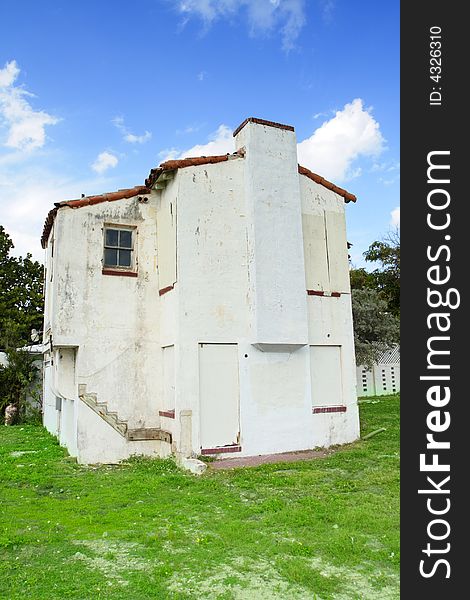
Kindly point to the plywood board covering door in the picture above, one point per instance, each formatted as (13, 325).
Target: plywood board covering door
(325, 371)
(219, 394)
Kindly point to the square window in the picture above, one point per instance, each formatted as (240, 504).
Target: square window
(118, 248)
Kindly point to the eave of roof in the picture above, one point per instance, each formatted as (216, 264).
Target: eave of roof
(172, 165)
(348, 197)
(89, 201)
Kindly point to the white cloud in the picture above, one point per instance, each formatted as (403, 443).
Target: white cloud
(128, 136)
(25, 127)
(104, 161)
(395, 217)
(263, 16)
(330, 151)
(220, 142)
(8, 74)
(138, 139)
(337, 143)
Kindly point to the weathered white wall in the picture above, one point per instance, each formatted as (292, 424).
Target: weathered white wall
(276, 254)
(223, 288)
(231, 239)
(112, 321)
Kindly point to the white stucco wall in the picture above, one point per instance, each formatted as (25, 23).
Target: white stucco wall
(226, 253)
(110, 322)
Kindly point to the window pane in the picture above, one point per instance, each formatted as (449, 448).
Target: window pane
(110, 257)
(125, 239)
(111, 237)
(124, 258)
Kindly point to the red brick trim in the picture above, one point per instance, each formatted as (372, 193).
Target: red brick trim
(262, 122)
(167, 413)
(328, 409)
(221, 449)
(118, 272)
(165, 290)
(324, 294)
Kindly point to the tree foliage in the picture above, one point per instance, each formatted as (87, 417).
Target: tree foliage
(375, 329)
(17, 378)
(21, 309)
(376, 301)
(387, 275)
(21, 296)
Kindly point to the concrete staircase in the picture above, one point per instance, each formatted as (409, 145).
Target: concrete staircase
(119, 425)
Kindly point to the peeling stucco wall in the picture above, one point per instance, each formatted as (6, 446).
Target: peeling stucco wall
(242, 290)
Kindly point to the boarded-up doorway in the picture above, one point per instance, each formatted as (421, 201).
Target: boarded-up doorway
(219, 394)
(325, 370)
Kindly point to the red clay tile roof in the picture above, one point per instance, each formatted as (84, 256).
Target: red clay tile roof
(89, 201)
(262, 122)
(172, 165)
(348, 197)
(138, 190)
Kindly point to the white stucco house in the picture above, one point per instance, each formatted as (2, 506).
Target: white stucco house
(207, 311)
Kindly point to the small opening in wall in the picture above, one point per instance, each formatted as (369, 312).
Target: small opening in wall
(327, 335)
(246, 355)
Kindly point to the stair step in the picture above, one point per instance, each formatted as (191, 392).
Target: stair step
(148, 434)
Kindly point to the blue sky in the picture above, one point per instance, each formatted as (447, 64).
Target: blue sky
(95, 94)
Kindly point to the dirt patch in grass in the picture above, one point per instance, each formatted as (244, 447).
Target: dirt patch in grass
(239, 580)
(112, 559)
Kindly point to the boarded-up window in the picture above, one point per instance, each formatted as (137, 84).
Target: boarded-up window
(166, 243)
(316, 261)
(325, 250)
(325, 371)
(219, 394)
(337, 249)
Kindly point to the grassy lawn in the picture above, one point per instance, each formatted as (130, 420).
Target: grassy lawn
(318, 529)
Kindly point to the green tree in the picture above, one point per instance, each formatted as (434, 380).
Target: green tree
(376, 300)
(387, 276)
(375, 328)
(18, 377)
(21, 295)
(361, 279)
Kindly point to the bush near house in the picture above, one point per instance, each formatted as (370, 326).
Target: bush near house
(21, 309)
(18, 377)
(325, 528)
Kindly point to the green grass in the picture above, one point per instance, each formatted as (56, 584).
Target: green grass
(325, 528)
